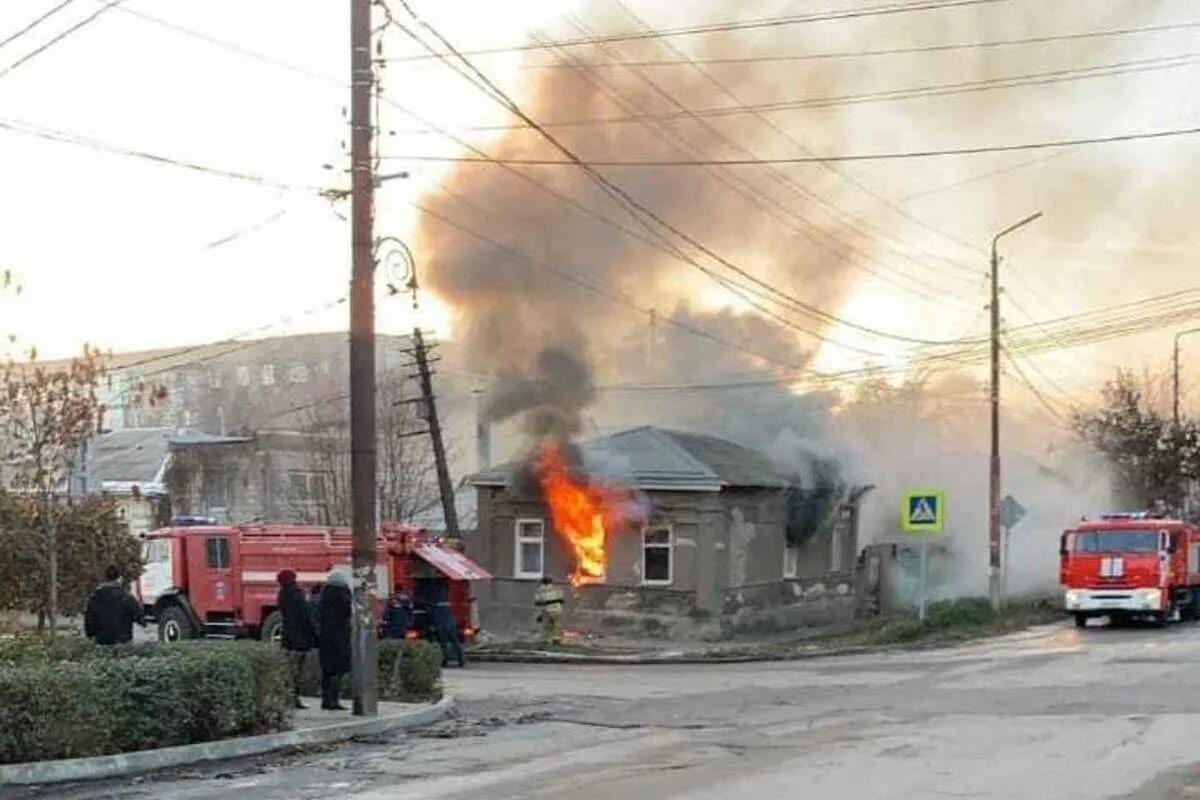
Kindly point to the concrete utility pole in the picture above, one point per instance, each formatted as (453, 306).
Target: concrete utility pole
(1175, 372)
(994, 470)
(362, 363)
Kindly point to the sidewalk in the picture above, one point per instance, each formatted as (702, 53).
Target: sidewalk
(312, 726)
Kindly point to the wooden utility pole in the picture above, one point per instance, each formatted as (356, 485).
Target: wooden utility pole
(362, 364)
(445, 486)
(994, 465)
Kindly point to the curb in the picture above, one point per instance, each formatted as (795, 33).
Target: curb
(550, 657)
(125, 764)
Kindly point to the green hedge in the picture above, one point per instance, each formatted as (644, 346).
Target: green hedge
(70, 699)
(409, 672)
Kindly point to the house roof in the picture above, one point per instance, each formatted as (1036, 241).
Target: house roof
(663, 459)
(121, 459)
(135, 455)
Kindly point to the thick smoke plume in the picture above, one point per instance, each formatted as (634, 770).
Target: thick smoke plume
(551, 401)
(563, 321)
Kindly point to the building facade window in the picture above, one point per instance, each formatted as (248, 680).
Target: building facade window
(658, 556)
(308, 493)
(297, 373)
(791, 561)
(243, 376)
(268, 375)
(530, 556)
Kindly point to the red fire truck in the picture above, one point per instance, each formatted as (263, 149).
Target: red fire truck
(204, 579)
(1131, 566)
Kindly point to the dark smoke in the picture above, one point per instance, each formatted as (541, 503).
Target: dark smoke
(551, 400)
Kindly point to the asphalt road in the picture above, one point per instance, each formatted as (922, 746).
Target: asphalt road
(1051, 713)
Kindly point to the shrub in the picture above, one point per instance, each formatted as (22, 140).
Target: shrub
(60, 700)
(409, 671)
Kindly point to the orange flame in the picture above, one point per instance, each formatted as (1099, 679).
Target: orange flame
(581, 511)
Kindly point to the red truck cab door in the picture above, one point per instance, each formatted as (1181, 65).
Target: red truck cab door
(215, 594)
(1066, 544)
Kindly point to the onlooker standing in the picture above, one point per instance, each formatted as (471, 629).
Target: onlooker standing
(111, 611)
(333, 638)
(298, 634)
(398, 616)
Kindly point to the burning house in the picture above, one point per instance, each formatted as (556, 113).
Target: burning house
(657, 529)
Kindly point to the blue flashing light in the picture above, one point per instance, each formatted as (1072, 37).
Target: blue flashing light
(191, 522)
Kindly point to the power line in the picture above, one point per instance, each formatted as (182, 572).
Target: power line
(625, 198)
(836, 157)
(52, 135)
(43, 48)
(795, 141)
(796, 221)
(35, 22)
(1044, 78)
(1055, 415)
(724, 27)
(859, 53)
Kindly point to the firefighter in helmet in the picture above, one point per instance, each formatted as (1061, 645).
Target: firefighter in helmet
(549, 602)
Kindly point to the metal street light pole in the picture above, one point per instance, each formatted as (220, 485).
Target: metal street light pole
(1175, 371)
(994, 467)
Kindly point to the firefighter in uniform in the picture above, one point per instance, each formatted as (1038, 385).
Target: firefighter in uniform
(549, 601)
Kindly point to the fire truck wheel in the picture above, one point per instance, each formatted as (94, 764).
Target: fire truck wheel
(174, 625)
(1080, 620)
(272, 628)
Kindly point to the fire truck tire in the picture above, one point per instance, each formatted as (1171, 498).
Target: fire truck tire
(272, 628)
(1081, 620)
(174, 625)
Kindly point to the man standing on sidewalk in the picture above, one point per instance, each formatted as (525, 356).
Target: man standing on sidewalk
(296, 626)
(111, 612)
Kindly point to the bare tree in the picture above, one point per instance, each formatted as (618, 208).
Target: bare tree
(46, 417)
(407, 478)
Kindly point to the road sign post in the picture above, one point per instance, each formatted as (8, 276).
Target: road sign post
(923, 511)
(1011, 512)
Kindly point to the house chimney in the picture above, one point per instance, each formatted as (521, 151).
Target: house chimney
(483, 435)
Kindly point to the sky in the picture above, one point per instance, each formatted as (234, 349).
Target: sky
(127, 254)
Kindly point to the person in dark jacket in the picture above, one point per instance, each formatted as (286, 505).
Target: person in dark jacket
(398, 616)
(333, 638)
(441, 620)
(298, 635)
(111, 611)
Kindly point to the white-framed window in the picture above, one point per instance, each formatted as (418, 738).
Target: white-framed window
(307, 490)
(658, 556)
(297, 373)
(529, 558)
(243, 376)
(268, 375)
(214, 379)
(791, 560)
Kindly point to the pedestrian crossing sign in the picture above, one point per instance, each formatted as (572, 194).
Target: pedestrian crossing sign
(923, 511)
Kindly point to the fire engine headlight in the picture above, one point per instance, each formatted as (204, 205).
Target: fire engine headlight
(1149, 598)
(1075, 598)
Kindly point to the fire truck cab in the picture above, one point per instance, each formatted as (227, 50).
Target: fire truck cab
(1131, 565)
(202, 579)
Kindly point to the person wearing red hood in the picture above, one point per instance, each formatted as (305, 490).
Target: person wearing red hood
(298, 634)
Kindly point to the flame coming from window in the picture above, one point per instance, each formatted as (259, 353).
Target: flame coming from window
(582, 513)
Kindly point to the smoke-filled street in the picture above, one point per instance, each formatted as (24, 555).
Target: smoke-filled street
(1052, 713)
